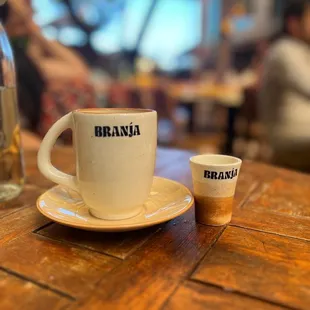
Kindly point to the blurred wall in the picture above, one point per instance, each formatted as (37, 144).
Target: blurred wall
(262, 22)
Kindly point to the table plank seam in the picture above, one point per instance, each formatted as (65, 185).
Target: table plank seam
(78, 246)
(128, 254)
(247, 197)
(132, 251)
(38, 284)
(268, 232)
(187, 277)
(191, 272)
(16, 211)
(164, 305)
(42, 227)
(236, 292)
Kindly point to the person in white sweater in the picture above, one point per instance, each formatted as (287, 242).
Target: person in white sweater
(285, 92)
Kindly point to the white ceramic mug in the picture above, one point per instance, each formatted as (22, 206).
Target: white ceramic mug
(115, 159)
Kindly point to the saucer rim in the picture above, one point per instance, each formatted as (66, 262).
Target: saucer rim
(118, 227)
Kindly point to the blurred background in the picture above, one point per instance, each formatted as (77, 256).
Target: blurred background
(197, 62)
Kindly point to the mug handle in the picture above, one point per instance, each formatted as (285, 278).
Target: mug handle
(44, 155)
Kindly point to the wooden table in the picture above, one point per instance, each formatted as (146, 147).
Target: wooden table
(229, 94)
(260, 261)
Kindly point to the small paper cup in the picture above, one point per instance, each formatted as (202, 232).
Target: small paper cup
(214, 178)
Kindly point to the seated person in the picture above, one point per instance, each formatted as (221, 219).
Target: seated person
(285, 92)
(56, 62)
(52, 79)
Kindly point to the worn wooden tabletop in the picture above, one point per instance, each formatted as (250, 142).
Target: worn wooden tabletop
(260, 261)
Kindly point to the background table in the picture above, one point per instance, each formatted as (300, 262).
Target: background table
(260, 261)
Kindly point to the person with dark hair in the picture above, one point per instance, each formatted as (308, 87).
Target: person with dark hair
(30, 94)
(52, 79)
(285, 91)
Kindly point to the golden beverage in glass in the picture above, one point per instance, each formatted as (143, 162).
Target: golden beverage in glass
(11, 159)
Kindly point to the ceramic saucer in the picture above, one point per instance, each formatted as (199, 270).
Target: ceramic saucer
(167, 200)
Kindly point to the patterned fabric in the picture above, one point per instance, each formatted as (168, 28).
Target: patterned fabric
(62, 99)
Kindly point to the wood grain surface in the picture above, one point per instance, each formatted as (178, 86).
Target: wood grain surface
(261, 265)
(197, 296)
(147, 278)
(18, 293)
(119, 245)
(63, 267)
(260, 261)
